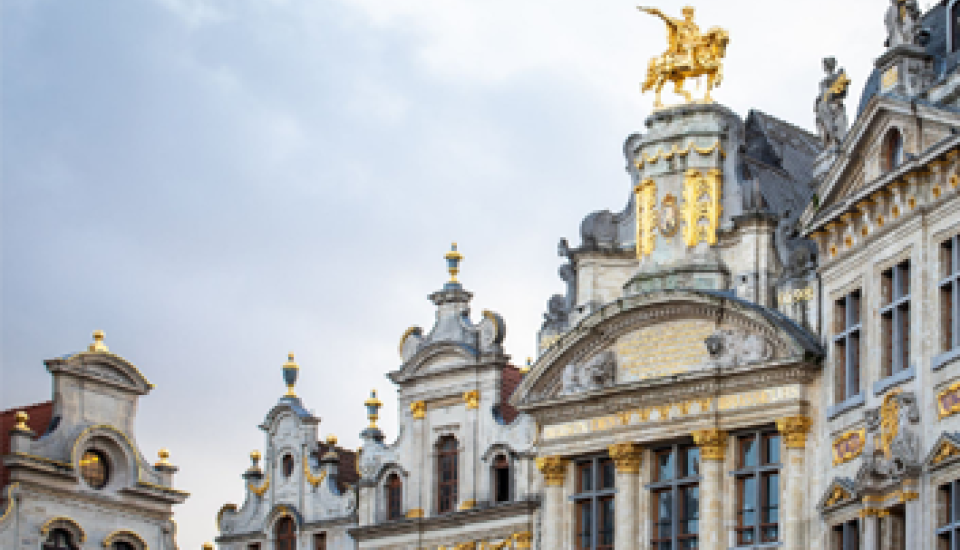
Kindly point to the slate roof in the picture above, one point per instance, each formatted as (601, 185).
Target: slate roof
(40, 421)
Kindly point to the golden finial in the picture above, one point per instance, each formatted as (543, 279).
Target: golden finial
(98, 346)
(255, 457)
(331, 440)
(373, 409)
(207, 546)
(21, 418)
(164, 455)
(290, 371)
(526, 368)
(453, 263)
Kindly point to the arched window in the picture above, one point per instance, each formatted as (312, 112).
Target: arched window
(447, 475)
(501, 479)
(394, 497)
(286, 534)
(122, 545)
(59, 539)
(892, 153)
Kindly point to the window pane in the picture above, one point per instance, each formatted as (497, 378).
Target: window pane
(748, 501)
(665, 465)
(772, 449)
(584, 477)
(691, 462)
(664, 514)
(690, 520)
(606, 522)
(585, 525)
(608, 474)
(749, 453)
(904, 273)
(945, 505)
(771, 492)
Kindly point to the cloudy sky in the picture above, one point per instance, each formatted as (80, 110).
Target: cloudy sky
(216, 183)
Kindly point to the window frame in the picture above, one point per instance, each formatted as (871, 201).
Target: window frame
(850, 332)
(454, 483)
(674, 486)
(950, 282)
(763, 469)
(52, 544)
(393, 495)
(290, 537)
(501, 463)
(898, 311)
(952, 526)
(593, 496)
(891, 150)
(320, 541)
(849, 535)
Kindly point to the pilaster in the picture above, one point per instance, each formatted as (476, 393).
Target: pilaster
(627, 457)
(554, 470)
(794, 430)
(713, 450)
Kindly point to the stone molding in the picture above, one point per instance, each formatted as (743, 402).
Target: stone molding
(712, 443)
(627, 457)
(794, 430)
(554, 470)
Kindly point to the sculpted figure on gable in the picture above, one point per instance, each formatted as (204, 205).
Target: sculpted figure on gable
(730, 348)
(597, 373)
(903, 23)
(893, 448)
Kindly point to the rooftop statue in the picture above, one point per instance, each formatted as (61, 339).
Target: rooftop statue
(832, 124)
(903, 23)
(689, 54)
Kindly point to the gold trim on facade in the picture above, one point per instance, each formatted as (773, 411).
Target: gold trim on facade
(554, 470)
(627, 457)
(111, 538)
(262, 489)
(468, 504)
(308, 475)
(947, 450)
(48, 525)
(701, 195)
(794, 430)
(646, 207)
(414, 513)
(418, 409)
(837, 496)
(948, 401)
(472, 399)
(845, 448)
(712, 443)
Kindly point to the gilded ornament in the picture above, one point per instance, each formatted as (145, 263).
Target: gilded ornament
(123, 534)
(98, 346)
(468, 504)
(232, 508)
(669, 216)
(849, 446)
(262, 489)
(415, 513)
(51, 524)
(948, 401)
(472, 399)
(314, 480)
(626, 456)
(712, 443)
(164, 456)
(554, 470)
(889, 421)
(291, 371)
(418, 409)
(690, 54)
(373, 406)
(947, 450)
(794, 430)
(453, 262)
(523, 540)
(837, 496)
(701, 210)
(22, 417)
(646, 205)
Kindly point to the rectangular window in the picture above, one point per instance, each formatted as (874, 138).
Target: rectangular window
(846, 345)
(758, 488)
(948, 516)
(594, 501)
(950, 291)
(253, 546)
(846, 536)
(895, 319)
(676, 498)
(320, 541)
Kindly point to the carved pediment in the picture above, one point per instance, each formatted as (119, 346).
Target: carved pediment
(945, 451)
(658, 336)
(839, 493)
(102, 367)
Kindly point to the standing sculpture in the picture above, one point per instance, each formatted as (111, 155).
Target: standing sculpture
(689, 54)
(903, 23)
(832, 124)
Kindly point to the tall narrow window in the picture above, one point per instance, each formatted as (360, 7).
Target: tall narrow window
(59, 539)
(596, 484)
(320, 541)
(950, 289)
(892, 155)
(846, 536)
(758, 488)
(847, 329)
(895, 319)
(447, 475)
(394, 488)
(501, 479)
(676, 498)
(285, 534)
(948, 516)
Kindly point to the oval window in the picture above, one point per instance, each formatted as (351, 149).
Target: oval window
(287, 465)
(95, 469)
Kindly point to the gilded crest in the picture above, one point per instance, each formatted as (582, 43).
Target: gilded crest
(669, 216)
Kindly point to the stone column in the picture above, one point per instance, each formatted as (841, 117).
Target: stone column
(912, 517)
(554, 470)
(794, 430)
(713, 449)
(627, 457)
(870, 539)
(469, 456)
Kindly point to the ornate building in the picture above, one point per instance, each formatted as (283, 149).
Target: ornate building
(72, 475)
(760, 350)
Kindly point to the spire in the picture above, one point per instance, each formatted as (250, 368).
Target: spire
(290, 372)
(453, 258)
(98, 346)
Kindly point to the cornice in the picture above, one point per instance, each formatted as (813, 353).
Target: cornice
(520, 509)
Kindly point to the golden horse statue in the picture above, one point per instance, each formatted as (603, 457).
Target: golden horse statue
(690, 54)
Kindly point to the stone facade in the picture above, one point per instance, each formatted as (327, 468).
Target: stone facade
(80, 481)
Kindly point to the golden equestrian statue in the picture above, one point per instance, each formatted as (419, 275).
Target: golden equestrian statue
(689, 54)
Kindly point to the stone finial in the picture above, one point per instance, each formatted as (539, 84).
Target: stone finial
(453, 264)
(98, 346)
(794, 430)
(164, 462)
(21, 426)
(291, 371)
(554, 470)
(418, 409)
(255, 458)
(712, 443)
(627, 457)
(373, 406)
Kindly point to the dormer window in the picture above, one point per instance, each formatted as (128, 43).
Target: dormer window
(891, 154)
(394, 489)
(501, 479)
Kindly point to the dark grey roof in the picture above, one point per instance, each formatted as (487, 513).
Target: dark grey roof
(935, 21)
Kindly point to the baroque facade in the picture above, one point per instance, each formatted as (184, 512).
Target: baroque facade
(73, 476)
(761, 349)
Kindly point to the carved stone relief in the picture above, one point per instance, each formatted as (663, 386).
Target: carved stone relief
(599, 372)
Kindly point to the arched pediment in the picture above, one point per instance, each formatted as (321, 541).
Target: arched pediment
(663, 335)
(435, 358)
(104, 367)
(287, 407)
